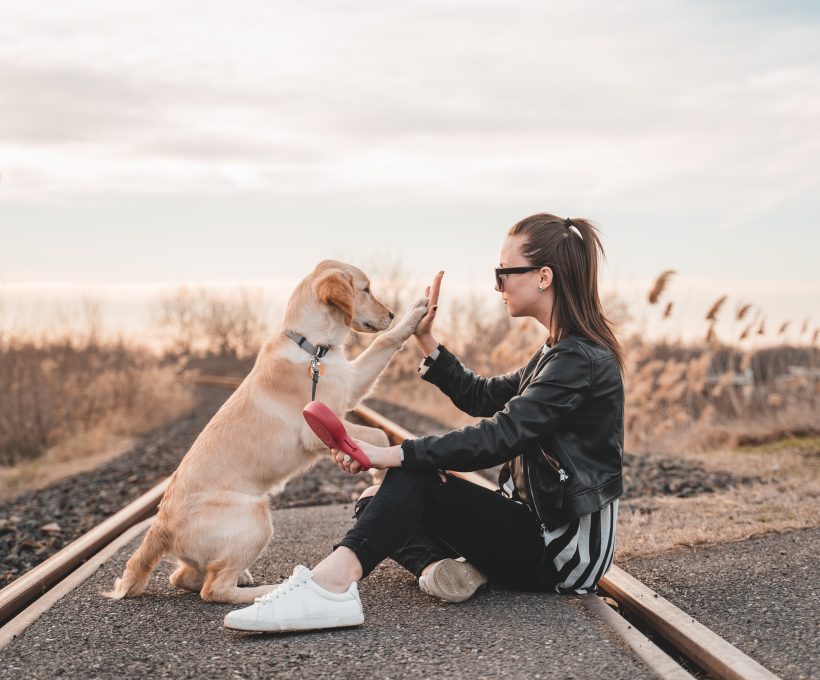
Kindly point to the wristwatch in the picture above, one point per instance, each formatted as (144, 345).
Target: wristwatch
(428, 361)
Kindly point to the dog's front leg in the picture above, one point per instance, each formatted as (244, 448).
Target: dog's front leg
(368, 366)
(372, 435)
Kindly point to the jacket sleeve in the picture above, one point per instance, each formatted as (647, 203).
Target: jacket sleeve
(559, 387)
(471, 393)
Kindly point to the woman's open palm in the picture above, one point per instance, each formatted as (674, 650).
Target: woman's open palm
(425, 326)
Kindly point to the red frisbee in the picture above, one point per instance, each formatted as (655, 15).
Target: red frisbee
(331, 431)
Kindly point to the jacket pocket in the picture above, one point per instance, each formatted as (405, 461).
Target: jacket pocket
(547, 483)
(554, 465)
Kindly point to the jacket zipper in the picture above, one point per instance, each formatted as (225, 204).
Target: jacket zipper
(560, 471)
(532, 495)
(562, 477)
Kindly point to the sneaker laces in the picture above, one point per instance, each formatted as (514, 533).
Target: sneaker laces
(297, 580)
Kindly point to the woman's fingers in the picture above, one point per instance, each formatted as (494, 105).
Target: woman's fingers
(431, 293)
(434, 290)
(352, 465)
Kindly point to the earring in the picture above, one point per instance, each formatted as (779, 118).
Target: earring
(540, 288)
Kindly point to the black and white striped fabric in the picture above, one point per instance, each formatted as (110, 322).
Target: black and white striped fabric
(581, 550)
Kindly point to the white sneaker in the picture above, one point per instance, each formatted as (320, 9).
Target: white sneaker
(299, 603)
(452, 580)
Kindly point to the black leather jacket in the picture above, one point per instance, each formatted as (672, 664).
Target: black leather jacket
(557, 423)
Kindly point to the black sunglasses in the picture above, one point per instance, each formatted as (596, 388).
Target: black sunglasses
(501, 272)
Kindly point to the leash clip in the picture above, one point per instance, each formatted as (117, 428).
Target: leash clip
(314, 369)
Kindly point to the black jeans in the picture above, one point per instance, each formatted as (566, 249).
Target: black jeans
(417, 519)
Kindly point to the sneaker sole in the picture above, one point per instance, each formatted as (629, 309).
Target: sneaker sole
(454, 581)
(318, 623)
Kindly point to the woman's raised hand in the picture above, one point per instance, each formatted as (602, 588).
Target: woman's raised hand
(424, 329)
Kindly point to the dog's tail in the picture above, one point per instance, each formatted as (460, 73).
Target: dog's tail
(142, 563)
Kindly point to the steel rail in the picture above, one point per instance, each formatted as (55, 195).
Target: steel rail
(35, 582)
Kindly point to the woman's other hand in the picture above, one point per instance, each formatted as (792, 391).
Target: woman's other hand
(424, 329)
(380, 457)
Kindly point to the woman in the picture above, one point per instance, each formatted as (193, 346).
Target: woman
(556, 424)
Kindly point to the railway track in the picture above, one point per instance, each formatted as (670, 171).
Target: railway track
(639, 615)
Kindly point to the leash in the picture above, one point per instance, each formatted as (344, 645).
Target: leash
(316, 353)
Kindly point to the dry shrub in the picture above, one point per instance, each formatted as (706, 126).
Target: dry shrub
(202, 321)
(161, 398)
(64, 389)
(708, 394)
(705, 398)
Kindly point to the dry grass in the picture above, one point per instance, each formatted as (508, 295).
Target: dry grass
(788, 499)
(659, 286)
(110, 419)
(157, 397)
(84, 451)
(73, 400)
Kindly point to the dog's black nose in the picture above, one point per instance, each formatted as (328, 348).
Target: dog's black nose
(391, 315)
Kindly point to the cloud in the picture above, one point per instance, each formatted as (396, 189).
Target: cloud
(661, 107)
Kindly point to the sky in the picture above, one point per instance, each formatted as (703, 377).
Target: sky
(147, 145)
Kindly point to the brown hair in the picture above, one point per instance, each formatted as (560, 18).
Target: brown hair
(577, 309)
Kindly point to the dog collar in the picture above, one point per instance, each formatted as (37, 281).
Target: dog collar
(314, 350)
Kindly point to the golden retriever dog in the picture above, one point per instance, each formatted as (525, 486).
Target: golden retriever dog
(214, 517)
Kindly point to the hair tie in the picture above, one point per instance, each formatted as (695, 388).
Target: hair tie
(570, 227)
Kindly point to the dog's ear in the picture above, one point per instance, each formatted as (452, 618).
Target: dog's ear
(335, 287)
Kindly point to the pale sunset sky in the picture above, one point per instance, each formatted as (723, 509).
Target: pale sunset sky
(146, 145)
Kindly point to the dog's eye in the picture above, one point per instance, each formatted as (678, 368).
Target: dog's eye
(367, 289)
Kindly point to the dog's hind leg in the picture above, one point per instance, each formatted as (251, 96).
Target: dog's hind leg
(245, 578)
(220, 586)
(187, 577)
(246, 531)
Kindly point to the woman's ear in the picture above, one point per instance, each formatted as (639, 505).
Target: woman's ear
(334, 287)
(546, 275)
